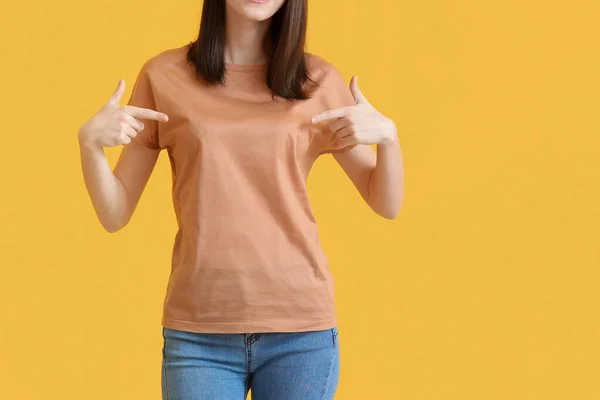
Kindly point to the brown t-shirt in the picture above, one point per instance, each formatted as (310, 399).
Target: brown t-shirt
(247, 255)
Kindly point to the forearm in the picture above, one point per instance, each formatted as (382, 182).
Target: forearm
(386, 183)
(105, 190)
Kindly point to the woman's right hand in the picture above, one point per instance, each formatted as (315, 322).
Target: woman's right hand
(115, 125)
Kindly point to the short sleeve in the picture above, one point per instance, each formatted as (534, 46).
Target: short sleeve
(337, 94)
(142, 96)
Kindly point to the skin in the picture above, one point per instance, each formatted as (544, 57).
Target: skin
(378, 177)
(115, 194)
(246, 25)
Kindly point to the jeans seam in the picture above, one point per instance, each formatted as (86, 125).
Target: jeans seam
(248, 363)
(329, 373)
(166, 388)
(164, 368)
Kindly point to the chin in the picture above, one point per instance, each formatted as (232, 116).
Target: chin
(255, 10)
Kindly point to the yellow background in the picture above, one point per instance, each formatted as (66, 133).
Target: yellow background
(486, 286)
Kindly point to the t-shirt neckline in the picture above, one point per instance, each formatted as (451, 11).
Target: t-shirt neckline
(244, 67)
(240, 67)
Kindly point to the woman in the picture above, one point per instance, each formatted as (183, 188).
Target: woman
(243, 113)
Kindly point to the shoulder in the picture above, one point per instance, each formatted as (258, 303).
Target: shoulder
(321, 69)
(165, 60)
(330, 83)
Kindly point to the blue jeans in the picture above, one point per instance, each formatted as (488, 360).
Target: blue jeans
(275, 366)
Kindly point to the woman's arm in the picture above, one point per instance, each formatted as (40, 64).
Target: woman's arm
(379, 177)
(115, 194)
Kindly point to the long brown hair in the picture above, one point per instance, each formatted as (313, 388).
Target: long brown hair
(284, 46)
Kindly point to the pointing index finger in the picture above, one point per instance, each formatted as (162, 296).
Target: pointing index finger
(145, 113)
(331, 114)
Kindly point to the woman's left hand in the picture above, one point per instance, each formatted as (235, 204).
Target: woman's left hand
(360, 123)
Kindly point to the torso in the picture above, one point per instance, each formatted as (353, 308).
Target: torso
(247, 255)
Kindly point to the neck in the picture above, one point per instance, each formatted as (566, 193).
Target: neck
(244, 39)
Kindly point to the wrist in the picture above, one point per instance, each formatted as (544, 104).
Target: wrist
(391, 135)
(85, 140)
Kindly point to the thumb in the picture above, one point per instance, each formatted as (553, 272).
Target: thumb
(118, 93)
(358, 96)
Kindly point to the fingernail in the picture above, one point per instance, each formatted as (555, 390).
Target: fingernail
(313, 119)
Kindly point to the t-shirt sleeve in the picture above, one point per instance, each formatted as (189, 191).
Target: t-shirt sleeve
(142, 96)
(337, 94)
